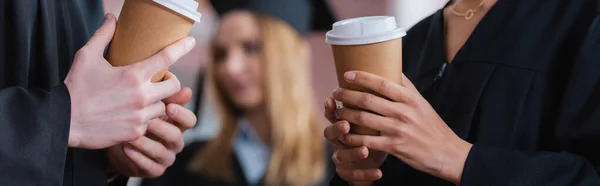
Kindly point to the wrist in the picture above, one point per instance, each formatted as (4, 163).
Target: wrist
(454, 165)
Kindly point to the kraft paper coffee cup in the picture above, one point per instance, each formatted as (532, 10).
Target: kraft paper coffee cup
(370, 44)
(145, 27)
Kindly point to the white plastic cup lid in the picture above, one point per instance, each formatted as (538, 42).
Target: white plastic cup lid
(187, 8)
(364, 30)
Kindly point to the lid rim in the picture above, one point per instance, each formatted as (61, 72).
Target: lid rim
(363, 40)
(183, 10)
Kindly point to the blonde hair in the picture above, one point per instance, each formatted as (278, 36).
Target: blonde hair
(297, 146)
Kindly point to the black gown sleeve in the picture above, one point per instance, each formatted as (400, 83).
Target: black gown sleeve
(34, 132)
(576, 133)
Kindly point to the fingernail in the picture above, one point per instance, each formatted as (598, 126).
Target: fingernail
(191, 43)
(173, 110)
(336, 91)
(341, 139)
(107, 18)
(326, 100)
(127, 149)
(350, 76)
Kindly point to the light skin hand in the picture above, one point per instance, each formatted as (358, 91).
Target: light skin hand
(357, 165)
(410, 128)
(111, 105)
(150, 155)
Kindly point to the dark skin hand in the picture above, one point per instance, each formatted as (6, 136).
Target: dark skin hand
(411, 130)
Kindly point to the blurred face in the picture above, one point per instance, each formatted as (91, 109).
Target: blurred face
(237, 59)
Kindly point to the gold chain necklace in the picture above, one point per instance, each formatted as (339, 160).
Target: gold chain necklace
(470, 12)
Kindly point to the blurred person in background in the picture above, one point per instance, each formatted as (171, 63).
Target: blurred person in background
(259, 74)
(503, 92)
(67, 117)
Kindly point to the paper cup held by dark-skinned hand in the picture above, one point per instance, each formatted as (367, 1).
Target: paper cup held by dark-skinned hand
(370, 44)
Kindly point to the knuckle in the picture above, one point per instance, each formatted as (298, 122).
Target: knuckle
(408, 117)
(174, 138)
(165, 57)
(367, 100)
(138, 119)
(136, 132)
(401, 130)
(362, 117)
(412, 102)
(385, 87)
(409, 98)
(359, 153)
(162, 154)
(142, 99)
(132, 77)
(170, 159)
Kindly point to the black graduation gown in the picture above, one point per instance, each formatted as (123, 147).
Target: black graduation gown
(180, 175)
(38, 39)
(524, 89)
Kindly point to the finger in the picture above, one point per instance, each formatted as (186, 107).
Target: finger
(165, 58)
(147, 165)
(155, 110)
(184, 119)
(371, 142)
(367, 119)
(166, 133)
(154, 150)
(164, 89)
(181, 98)
(377, 84)
(329, 109)
(367, 101)
(103, 35)
(337, 130)
(360, 175)
(350, 155)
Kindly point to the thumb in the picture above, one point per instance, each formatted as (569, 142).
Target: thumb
(103, 35)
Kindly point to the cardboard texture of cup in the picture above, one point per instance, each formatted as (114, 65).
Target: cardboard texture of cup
(145, 27)
(370, 44)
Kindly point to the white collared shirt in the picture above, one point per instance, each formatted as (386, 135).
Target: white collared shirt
(252, 153)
